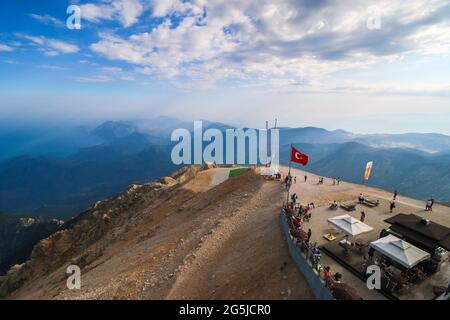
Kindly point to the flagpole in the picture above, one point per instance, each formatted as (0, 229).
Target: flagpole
(289, 174)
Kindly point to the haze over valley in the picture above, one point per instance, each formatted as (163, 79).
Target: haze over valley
(61, 176)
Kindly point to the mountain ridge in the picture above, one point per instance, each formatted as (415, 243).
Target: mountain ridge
(145, 241)
(60, 186)
(180, 238)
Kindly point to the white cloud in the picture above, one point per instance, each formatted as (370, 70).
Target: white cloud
(35, 39)
(129, 11)
(5, 48)
(51, 47)
(95, 13)
(117, 73)
(107, 74)
(112, 69)
(125, 11)
(94, 79)
(50, 53)
(291, 41)
(128, 78)
(163, 8)
(62, 47)
(52, 67)
(47, 19)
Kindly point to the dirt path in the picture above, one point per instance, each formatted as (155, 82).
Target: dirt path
(246, 257)
(209, 242)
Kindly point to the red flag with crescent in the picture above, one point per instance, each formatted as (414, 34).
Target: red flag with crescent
(298, 157)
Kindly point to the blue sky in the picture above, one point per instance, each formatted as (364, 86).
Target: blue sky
(370, 66)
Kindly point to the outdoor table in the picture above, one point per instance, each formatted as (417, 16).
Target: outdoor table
(396, 278)
(329, 237)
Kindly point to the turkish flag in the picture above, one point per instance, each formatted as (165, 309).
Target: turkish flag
(298, 157)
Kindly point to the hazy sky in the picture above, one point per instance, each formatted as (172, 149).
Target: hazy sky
(364, 66)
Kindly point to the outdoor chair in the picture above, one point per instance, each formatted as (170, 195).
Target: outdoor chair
(347, 249)
(360, 244)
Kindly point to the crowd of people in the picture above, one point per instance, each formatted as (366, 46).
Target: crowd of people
(296, 219)
(289, 180)
(297, 216)
(428, 205)
(336, 181)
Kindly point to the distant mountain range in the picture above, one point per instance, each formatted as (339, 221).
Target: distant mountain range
(426, 142)
(414, 173)
(62, 184)
(63, 140)
(61, 175)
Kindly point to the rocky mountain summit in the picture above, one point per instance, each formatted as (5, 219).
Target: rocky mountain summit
(180, 237)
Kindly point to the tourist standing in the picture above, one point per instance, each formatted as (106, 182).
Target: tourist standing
(429, 205)
(294, 198)
(392, 206)
(363, 216)
(371, 253)
(328, 276)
